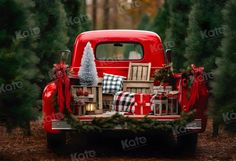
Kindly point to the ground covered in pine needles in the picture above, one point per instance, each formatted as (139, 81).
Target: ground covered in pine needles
(17, 147)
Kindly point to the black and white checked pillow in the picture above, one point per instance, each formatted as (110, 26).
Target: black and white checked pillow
(112, 83)
(124, 102)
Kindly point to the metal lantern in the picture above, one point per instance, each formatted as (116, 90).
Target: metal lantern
(173, 102)
(160, 105)
(90, 108)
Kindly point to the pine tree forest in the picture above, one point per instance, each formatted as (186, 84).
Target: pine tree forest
(152, 53)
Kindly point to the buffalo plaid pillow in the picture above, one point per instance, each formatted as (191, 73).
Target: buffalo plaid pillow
(124, 102)
(112, 83)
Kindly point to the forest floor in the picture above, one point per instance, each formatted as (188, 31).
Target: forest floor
(17, 147)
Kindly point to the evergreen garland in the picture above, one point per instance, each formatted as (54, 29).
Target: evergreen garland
(134, 125)
(164, 74)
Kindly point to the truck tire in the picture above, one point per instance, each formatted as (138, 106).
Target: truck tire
(56, 141)
(187, 144)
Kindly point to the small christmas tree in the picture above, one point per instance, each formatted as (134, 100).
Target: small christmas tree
(88, 71)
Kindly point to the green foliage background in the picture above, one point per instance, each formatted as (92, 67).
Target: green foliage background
(202, 32)
(31, 34)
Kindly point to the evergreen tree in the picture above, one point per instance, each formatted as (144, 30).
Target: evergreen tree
(143, 25)
(19, 93)
(203, 35)
(224, 91)
(51, 17)
(177, 30)
(205, 32)
(161, 21)
(77, 20)
(88, 71)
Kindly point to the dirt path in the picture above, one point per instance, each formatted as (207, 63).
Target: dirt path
(16, 147)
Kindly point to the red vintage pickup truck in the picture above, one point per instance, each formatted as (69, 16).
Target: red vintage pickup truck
(114, 50)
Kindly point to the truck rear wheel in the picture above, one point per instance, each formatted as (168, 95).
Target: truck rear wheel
(56, 141)
(187, 144)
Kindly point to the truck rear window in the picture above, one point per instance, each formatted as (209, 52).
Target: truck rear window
(119, 51)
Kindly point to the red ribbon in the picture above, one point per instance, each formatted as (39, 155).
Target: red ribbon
(144, 101)
(139, 103)
(198, 91)
(63, 86)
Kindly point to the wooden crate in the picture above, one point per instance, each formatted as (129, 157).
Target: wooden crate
(95, 93)
(107, 102)
(107, 99)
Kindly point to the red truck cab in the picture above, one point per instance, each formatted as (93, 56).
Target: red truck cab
(150, 43)
(146, 47)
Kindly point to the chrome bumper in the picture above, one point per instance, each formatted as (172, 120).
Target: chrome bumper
(194, 125)
(60, 125)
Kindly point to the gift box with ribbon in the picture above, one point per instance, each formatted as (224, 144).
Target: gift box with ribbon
(142, 104)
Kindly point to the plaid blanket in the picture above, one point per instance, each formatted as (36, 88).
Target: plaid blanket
(124, 102)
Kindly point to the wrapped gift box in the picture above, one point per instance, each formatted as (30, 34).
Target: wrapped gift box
(142, 103)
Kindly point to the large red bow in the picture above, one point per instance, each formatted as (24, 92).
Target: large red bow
(198, 91)
(63, 86)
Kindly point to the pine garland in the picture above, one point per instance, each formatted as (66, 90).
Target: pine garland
(135, 125)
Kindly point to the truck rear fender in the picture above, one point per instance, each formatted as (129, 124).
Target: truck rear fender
(48, 107)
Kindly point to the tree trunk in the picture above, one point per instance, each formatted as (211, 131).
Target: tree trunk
(106, 14)
(83, 7)
(27, 129)
(94, 14)
(216, 127)
(115, 15)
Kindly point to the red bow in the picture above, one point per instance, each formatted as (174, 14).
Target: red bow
(198, 90)
(62, 80)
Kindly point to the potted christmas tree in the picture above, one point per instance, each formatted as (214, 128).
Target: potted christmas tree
(88, 71)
